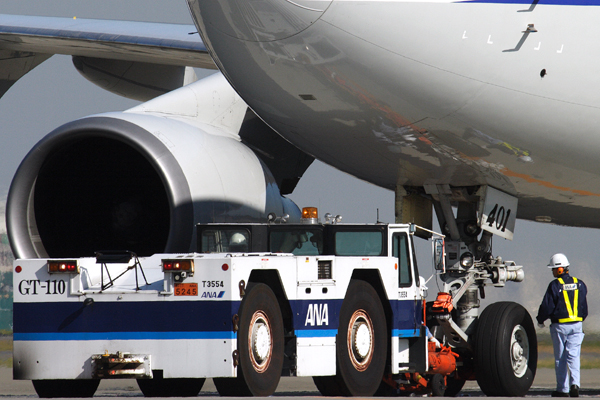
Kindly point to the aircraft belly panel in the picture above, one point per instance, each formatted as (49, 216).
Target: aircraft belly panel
(401, 93)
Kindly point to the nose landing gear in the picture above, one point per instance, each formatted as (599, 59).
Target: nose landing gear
(498, 347)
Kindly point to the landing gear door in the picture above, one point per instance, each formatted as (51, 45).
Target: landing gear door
(497, 212)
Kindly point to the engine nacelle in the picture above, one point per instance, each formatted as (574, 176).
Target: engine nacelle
(134, 181)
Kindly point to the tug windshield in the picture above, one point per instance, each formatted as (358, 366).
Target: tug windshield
(225, 241)
(359, 243)
(300, 242)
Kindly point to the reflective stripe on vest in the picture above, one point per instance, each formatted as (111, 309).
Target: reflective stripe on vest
(572, 310)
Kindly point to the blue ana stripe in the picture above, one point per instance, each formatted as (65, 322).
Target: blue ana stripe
(540, 3)
(308, 333)
(122, 336)
(405, 332)
(162, 317)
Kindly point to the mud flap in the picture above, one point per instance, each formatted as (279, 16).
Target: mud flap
(417, 354)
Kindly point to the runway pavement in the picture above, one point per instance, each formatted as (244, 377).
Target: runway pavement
(292, 387)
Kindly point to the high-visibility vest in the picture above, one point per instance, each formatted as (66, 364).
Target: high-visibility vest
(572, 310)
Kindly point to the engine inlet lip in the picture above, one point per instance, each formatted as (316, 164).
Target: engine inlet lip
(20, 218)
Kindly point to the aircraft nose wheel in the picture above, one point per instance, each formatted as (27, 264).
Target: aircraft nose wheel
(520, 350)
(505, 350)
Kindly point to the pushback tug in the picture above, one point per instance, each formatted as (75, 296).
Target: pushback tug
(342, 303)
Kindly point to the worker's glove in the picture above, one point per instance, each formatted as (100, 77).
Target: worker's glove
(541, 325)
(437, 342)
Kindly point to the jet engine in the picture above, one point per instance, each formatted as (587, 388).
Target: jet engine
(140, 180)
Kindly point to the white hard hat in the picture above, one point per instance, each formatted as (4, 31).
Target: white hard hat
(558, 260)
(237, 238)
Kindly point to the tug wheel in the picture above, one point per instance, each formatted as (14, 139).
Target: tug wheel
(453, 386)
(438, 385)
(328, 386)
(361, 345)
(66, 387)
(260, 346)
(505, 350)
(176, 387)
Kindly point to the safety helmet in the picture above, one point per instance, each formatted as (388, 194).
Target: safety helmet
(237, 238)
(559, 260)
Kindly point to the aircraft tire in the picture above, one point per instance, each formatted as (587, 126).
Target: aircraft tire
(260, 346)
(176, 387)
(505, 350)
(51, 388)
(361, 343)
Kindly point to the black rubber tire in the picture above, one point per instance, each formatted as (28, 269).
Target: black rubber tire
(438, 386)
(51, 388)
(498, 374)
(385, 390)
(328, 386)
(358, 377)
(259, 309)
(453, 386)
(175, 387)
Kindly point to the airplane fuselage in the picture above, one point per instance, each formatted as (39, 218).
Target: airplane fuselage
(417, 93)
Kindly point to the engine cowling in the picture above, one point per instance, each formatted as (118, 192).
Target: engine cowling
(134, 181)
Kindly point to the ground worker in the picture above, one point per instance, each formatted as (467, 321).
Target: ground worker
(565, 305)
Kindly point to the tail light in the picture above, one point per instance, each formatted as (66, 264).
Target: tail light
(63, 266)
(178, 266)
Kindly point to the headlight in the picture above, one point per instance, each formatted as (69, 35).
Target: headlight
(466, 260)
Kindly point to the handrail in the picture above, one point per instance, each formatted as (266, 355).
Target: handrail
(118, 257)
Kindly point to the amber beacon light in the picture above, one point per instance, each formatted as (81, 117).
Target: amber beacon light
(310, 215)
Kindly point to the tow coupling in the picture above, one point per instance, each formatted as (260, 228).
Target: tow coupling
(121, 365)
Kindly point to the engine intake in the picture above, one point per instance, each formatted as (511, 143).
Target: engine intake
(127, 181)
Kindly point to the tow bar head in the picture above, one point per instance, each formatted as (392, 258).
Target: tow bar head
(121, 365)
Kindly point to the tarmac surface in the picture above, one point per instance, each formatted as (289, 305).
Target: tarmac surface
(543, 386)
